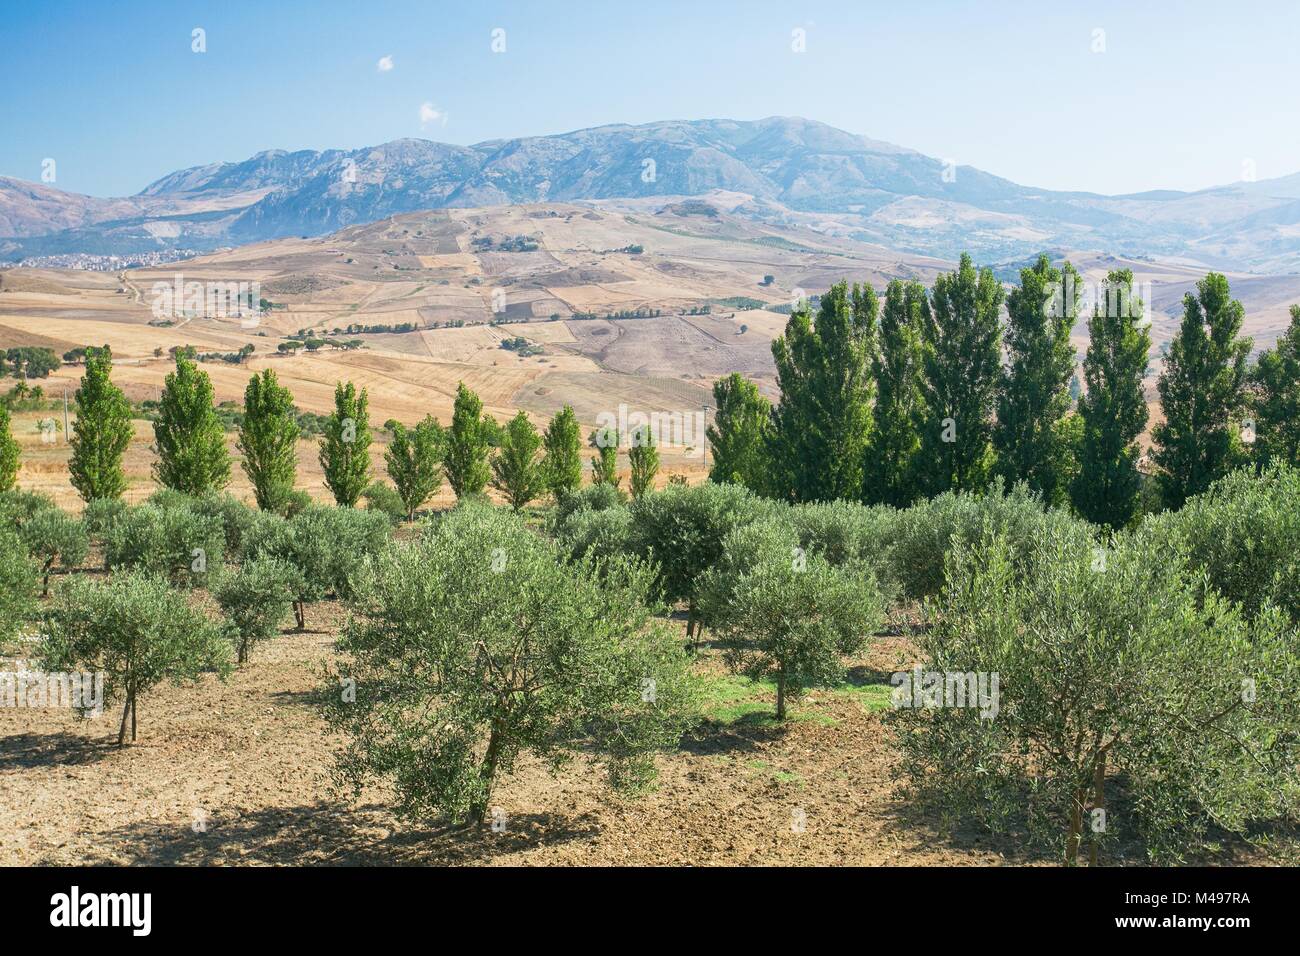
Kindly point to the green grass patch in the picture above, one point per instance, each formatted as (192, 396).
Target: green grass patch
(734, 699)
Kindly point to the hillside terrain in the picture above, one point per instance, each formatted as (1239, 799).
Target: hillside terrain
(639, 308)
(783, 171)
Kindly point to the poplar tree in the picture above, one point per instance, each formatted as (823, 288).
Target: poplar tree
(1202, 394)
(823, 421)
(466, 459)
(414, 459)
(191, 443)
(1275, 399)
(516, 472)
(101, 433)
(643, 459)
(740, 433)
(889, 470)
(1034, 394)
(604, 467)
(345, 447)
(962, 367)
(8, 452)
(1114, 408)
(268, 440)
(562, 465)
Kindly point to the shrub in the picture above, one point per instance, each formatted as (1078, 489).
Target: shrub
(101, 514)
(385, 500)
(588, 498)
(789, 615)
(929, 531)
(1126, 673)
(1244, 535)
(17, 507)
(235, 516)
(681, 528)
(137, 630)
(596, 534)
(51, 535)
(478, 643)
(17, 585)
(174, 542)
(256, 600)
(845, 531)
(326, 546)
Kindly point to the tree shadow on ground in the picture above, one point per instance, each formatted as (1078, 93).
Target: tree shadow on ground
(862, 675)
(29, 751)
(744, 734)
(328, 834)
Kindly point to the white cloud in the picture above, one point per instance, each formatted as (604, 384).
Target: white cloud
(431, 114)
(385, 64)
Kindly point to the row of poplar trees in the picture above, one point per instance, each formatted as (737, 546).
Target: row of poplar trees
(192, 457)
(933, 392)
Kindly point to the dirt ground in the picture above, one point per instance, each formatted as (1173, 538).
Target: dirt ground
(237, 773)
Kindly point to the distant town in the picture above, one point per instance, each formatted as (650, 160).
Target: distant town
(98, 263)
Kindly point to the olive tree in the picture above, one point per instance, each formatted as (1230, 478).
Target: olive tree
(326, 546)
(175, 542)
(256, 600)
(135, 629)
(1118, 673)
(51, 535)
(17, 585)
(478, 643)
(680, 529)
(787, 615)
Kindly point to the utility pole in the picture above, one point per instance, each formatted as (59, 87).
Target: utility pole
(65, 416)
(705, 442)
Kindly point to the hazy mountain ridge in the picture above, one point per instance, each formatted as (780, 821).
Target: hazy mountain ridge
(796, 170)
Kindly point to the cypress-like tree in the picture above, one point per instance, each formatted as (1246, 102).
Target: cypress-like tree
(466, 458)
(823, 421)
(1202, 393)
(414, 458)
(562, 466)
(962, 368)
(268, 440)
(1114, 408)
(1034, 394)
(191, 443)
(516, 471)
(890, 468)
(604, 467)
(643, 460)
(345, 445)
(101, 432)
(8, 452)
(1275, 398)
(740, 433)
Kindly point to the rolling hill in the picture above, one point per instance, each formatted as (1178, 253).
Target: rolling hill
(786, 171)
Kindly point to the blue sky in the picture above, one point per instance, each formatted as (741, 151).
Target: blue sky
(1182, 95)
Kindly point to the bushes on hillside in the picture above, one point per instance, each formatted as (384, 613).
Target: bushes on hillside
(478, 643)
(925, 534)
(681, 530)
(1244, 535)
(235, 516)
(1130, 700)
(137, 630)
(256, 599)
(326, 546)
(173, 542)
(17, 585)
(50, 535)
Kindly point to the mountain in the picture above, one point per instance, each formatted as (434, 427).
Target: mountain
(790, 171)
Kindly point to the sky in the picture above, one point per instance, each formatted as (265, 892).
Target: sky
(1097, 96)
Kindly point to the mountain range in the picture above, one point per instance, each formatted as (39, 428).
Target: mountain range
(780, 170)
